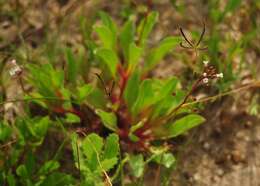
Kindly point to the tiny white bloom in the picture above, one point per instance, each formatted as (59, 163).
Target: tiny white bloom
(220, 75)
(204, 74)
(16, 69)
(205, 80)
(206, 63)
(13, 62)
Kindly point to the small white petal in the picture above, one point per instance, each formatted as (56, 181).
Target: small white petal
(15, 70)
(220, 75)
(205, 80)
(204, 74)
(206, 63)
(13, 62)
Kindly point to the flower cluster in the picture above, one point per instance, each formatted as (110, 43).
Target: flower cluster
(210, 72)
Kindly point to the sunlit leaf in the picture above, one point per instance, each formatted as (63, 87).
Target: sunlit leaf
(131, 90)
(107, 38)
(92, 145)
(135, 53)
(111, 146)
(108, 22)
(146, 27)
(72, 68)
(127, 37)
(184, 124)
(136, 163)
(108, 119)
(83, 92)
(166, 159)
(48, 167)
(110, 59)
(72, 118)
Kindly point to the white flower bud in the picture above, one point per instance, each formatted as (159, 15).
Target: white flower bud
(13, 62)
(205, 74)
(205, 63)
(220, 75)
(205, 80)
(16, 69)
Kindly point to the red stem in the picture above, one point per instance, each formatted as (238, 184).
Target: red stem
(124, 78)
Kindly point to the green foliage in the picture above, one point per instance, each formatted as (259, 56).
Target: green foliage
(72, 69)
(110, 59)
(146, 26)
(33, 129)
(104, 97)
(166, 159)
(131, 91)
(127, 38)
(184, 124)
(96, 156)
(108, 119)
(136, 163)
(5, 132)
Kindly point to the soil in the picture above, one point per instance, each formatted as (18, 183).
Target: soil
(222, 152)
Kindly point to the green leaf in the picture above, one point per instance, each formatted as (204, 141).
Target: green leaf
(135, 53)
(41, 126)
(133, 128)
(97, 98)
(57, 76)
(48, 167)
(11, 179)
(41, 78)
(156, 54)
(184, 124)
(133, 137)
(109, 163)
(30, 162)
(232, 5)
(110, 59)
(108, 119)
(77, 152)
(108, 22)
(72, 68)
(106, 36)
(111, 147)
(83, 92)
(137, 126)
(146, 27)
(72, 118)
(170, 102)
(5, 132)
(127, 37)
(168, 87)
(92, 145)
(132, 88)
(22, 171)
(166, 159)
(145, 96)
(136, 163)
(58, 179)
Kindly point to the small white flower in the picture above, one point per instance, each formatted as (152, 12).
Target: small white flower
(205, 74)
(220, 75)
(205, 63)
(16, 69)
(205, 80)
(13, 62)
